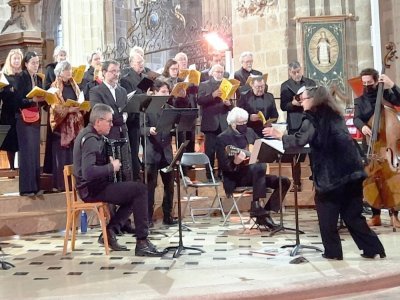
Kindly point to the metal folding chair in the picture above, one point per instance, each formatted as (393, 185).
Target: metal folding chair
(192, 188)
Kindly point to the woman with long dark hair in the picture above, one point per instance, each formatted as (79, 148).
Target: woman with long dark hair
(338, 172)
(28, 132)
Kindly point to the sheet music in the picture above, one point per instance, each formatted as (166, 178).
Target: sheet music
(130, 95)
(275, 144)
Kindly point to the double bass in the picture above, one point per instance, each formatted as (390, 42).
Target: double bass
(382, 186)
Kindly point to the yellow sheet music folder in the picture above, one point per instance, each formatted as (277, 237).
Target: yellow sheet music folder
(250, 79)
(178, 88)
(228, 88)
(264, 121)
(191, 76)
(85, 105)
(3, 80)
(78, 72)
(48, 95)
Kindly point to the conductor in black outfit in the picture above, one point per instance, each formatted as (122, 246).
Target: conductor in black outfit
(92, 170)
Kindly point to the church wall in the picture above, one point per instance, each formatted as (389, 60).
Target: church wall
(275, 37)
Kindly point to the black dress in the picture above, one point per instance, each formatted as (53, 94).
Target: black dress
(28, 137)
(7, 117)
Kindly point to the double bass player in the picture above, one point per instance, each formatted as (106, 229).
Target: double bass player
(364, 110)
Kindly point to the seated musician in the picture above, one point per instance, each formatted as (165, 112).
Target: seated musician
(364, 107)
(92, 169)
(257, 100)
(237, 173)
(158, 155)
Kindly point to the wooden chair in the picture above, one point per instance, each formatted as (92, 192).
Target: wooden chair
(75, 207)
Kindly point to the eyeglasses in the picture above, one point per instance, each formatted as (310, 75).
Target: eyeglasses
(114, 71)
(110, 121)
(241, 123)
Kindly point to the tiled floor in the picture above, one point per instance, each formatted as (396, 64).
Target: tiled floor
(236, 263)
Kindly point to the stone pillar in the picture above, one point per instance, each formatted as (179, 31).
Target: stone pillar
(83, 28)
(363, 29)
(21, 30)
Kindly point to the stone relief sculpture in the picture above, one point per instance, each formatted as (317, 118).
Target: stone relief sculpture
(254, 7)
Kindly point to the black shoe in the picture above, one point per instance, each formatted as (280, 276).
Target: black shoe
(146, 248)
(112, 241)
(332, 257)
(372, 256)
(256, 210)
(170, 221)
(27, 194)
(299, 188)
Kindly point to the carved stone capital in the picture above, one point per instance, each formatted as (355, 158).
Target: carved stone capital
(22, 17)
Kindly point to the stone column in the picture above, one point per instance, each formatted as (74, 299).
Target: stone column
(83, 28)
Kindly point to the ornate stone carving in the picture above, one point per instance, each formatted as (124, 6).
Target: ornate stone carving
(254, 7)
(22, 12)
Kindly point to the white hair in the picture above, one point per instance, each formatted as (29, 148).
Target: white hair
(136, 49)
(57, 51)
(245, 54)
(235, 114)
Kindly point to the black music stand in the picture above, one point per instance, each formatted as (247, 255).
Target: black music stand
(264, 153)
(294, 155)
(145, 104)
(184, 119)
(174, 167)
(4, 264)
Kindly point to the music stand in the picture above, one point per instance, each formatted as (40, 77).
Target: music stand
(265, 153)
(184, 119)
(3, 132)
(293, 154)
(174, 166)
(145, 104)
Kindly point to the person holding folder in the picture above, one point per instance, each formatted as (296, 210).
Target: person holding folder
(338, 172)
(158, 155)
(258, 104)
(29, 132)
(213, 111)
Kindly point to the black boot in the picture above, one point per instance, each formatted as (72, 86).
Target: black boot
(127, 228)
(112, 241)
(256, 210)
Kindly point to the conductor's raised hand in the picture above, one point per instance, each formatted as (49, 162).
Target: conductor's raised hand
(115, 163)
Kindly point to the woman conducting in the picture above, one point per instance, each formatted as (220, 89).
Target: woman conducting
(338, 172)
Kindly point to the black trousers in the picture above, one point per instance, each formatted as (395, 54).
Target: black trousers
(210, 144)
(346, 201)
(254, 175)
(168, 182)
(131, 197)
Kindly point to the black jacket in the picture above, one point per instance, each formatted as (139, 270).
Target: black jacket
(24, 86)
(364, 106)
(253, 104)
(336, 159)
(91, 167)
(101, 94)
(230, 171)
(213, 110)
(242, 75)
(294, 113)
(158, 147)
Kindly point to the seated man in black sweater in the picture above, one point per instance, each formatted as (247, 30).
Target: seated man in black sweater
(92, 171)
(237, 173)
